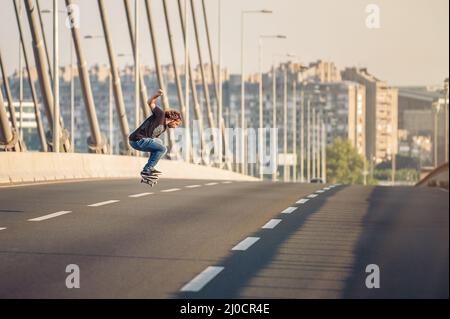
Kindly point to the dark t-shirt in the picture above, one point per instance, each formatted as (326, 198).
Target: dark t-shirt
(152, 127)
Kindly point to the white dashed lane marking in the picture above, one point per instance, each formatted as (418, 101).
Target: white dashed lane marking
(193, 186)
(288, 210)
(211, 184)
(170, 190)
(45, 217)
(320, 191)
(246, 243)
(104, 203)
(202, 279)
(271, 224)
(2, 228)
(139, 195)
(312, 196)
(302, 201)
(228, 182)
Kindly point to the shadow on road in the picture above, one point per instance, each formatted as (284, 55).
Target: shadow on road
(241, 267)
(405, 233)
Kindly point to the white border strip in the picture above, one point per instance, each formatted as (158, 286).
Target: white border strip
(271, 224)
(193, 186)
(140, 195)
(289, 210)
(202, 279)
(104, 203)
(302, 201)
(246, 243)
(170, 190)
(45, 217)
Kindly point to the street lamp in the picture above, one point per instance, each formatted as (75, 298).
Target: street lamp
(261, 119)
(72, 86)
(446, 117)
(56, 111)
(243, 13)
(56, 127)
(274, 113)
(436, 108)
(110, 108)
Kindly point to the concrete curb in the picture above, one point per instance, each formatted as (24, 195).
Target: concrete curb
(34, 167)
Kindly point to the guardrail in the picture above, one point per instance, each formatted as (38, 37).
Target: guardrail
(437, 178)
(31, 167)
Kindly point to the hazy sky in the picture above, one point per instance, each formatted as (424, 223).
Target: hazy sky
(411, 47)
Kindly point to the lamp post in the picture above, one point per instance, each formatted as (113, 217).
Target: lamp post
(261, 113)
(186, 85)
(294, 122)
(56, 115)
(243, 13)
(219, 80)
(446, 117)
(436, 108)
(72, 86)
(56, 111)
(274, 110)
(110, 108)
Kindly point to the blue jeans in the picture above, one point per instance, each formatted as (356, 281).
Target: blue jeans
(154, 146)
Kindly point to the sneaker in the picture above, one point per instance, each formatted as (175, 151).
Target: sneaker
(145, 173)
(155, 171)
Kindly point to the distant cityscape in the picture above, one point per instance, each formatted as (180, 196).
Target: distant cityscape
(379, 120)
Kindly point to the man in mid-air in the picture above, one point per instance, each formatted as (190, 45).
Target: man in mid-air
(146, 137)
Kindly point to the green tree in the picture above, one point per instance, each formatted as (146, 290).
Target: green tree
(344, 164)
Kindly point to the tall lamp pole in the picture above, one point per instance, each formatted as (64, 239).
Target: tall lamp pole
(72, 84)
(446, 118)
(261, 113)
(56, 115)
(110, 84)
(243, 162)
(436, 109)
(136, 63)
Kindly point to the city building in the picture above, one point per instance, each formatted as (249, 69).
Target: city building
(381, 114)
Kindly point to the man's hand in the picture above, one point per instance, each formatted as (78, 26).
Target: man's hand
(152, 101)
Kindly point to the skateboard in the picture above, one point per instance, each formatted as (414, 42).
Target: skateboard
(151, 180)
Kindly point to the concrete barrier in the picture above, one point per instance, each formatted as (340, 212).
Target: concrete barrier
(437, 178)
(33, 167)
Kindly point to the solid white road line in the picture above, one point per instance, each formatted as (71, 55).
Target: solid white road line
(202, 279)
(193, 186)
(312, 196)
(38, 219)
(170, 190)
(139, 195)
(302, 201)
(2, 228)
(211, 184)
(271, 224)
(288, 210)
(104, 203)
(246, 243)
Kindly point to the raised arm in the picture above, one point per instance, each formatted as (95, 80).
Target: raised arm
(152, 101)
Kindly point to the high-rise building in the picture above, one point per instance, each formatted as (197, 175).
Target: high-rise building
(343, 105)
(381, 114)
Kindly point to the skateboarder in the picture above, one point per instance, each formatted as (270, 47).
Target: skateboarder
(145, 137)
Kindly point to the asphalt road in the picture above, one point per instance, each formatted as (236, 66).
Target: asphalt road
(204, 239)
